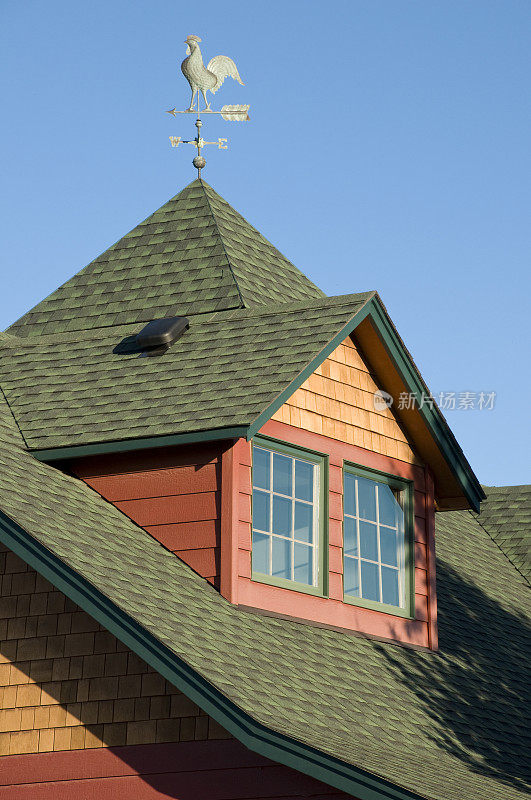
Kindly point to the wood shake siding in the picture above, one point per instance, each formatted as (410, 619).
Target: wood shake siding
(81, 716)
(337, 401)
(68, 684)
(173, 493)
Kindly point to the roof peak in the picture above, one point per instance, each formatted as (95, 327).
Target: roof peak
(195, 254)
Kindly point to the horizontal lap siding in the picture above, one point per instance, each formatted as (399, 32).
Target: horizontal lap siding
(337, 401)
(68, 684)
(209, 770)
(174, 494)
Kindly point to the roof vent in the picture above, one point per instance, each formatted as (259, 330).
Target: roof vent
(161, 333)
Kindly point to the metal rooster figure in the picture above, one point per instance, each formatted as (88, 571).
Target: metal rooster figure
(203, 79)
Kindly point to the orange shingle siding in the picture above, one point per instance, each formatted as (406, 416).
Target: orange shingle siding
(337, 401)
(68, 684)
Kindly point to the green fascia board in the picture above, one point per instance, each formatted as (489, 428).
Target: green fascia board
(128, 445)
(402, 360)
(433, 418)
(250, 733)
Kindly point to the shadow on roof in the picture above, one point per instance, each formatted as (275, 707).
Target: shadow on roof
(474, 689)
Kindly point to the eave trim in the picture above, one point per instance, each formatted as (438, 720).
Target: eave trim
(250, 733)
(145, 443)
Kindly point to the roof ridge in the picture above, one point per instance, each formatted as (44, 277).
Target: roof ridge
(222, 240)
(507, 486)
(244, 312)
(285, 308)
(88, 264)
(195, 254)
(258, 258)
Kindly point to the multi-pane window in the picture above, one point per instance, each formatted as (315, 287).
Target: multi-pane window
(374, 540)
(286, 491)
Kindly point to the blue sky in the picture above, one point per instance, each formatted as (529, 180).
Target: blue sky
(388, 149)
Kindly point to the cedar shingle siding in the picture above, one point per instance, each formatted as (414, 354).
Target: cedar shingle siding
(68, 684)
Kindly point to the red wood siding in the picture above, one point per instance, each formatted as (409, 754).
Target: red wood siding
(212, 770)
(174, 494)
(331, 611)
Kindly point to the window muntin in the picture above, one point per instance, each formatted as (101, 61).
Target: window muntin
(374, 540)
(286, 523)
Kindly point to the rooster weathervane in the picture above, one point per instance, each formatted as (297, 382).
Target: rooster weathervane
(202, 80)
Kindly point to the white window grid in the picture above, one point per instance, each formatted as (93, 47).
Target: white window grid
(314, 545)
(399, 530)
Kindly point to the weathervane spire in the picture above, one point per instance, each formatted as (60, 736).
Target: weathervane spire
(203, 79)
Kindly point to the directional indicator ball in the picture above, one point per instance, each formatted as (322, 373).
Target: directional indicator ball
(199, 162)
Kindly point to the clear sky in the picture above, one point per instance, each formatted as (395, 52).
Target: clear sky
(389, 149)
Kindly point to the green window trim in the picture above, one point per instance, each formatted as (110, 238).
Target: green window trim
(321, 461)
(407, 487)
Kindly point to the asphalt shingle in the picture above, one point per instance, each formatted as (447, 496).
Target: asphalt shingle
(224, 371)
(506, 515)
(194, 255)
(444, 725)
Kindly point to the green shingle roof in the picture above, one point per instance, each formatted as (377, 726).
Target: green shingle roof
(441, 726)
(444, 726)
(226, 369)
(194, 255)
(506, 515)
(257, 325)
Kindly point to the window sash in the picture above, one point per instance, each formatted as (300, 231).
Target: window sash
(403, 528)
(314, 581)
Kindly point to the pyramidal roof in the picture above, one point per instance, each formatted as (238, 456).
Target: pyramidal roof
(194, 255)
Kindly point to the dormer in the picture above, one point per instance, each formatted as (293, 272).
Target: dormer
(265, 445)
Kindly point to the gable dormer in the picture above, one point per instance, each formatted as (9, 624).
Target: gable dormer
(259, 447)
(333, 510)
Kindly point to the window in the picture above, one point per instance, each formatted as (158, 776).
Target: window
(288, 504)
(377, 531)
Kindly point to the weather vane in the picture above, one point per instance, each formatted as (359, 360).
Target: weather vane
(203, 79)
